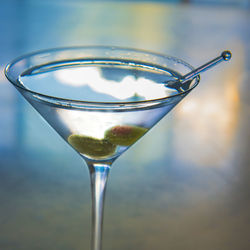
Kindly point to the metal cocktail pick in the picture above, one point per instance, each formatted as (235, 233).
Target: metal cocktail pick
(225, 56)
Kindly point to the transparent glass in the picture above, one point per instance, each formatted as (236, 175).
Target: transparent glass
(59, 105)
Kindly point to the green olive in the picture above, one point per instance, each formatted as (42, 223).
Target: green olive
(91, 146)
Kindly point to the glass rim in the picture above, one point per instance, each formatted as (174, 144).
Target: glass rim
(81, 103)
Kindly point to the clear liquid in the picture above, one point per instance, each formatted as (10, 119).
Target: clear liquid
(96, 134)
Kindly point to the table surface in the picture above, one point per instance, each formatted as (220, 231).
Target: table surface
(184, 186)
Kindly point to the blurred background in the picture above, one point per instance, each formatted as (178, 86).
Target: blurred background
(192, 192)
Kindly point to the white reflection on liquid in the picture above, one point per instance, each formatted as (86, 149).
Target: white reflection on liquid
(128, 87)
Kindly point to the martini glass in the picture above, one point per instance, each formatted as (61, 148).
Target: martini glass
(100, 100)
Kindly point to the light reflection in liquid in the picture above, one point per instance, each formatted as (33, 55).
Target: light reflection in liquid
(127, 88)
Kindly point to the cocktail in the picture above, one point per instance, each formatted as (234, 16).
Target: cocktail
(101, 100)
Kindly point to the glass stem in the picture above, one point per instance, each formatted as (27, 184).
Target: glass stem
(98, 175)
